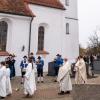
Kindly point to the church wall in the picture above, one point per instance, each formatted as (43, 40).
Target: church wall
(71, 9)
(71, 48)
(52, 19)
(56, 39)
(21, 38)
(18, 36)
(70, 43)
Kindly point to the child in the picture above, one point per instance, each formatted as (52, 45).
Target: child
(23, 67)
(8, 83)
(2, 80)
(40, 64)
(29, 84)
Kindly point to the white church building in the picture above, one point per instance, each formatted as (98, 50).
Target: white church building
(44, 27)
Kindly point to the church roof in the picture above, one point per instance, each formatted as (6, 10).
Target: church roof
(17, 7)
(49, 3)
(20, 7)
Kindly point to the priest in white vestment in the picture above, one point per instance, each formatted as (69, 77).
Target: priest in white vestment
(2, 80)
(64, 78)
(29, 84)
(8, 82)
(80, 68)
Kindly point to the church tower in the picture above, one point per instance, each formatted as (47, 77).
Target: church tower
(71, 8)
(70, 27)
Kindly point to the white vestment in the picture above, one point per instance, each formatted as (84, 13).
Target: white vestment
(3, 81)
(64, 78)
(8, 83)
(80, 77)
(29, 84)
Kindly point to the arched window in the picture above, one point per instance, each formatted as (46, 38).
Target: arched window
(67, 28)
(41, 31)
(67, 2)
(3, 35)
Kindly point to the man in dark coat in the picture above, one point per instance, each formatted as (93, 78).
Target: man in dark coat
(40, 64)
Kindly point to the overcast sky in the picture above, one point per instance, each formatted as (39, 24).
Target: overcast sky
(89, 18)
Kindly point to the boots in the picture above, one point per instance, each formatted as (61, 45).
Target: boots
(38, 80)
(42, 80)
(61, 93)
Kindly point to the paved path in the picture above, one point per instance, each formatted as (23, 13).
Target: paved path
(45, 91)
(49, 90)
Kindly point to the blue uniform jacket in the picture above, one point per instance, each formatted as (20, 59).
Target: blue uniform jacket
(40, 64)
(58, 62)
(23, 64)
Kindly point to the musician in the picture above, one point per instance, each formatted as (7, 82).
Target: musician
(40, 64)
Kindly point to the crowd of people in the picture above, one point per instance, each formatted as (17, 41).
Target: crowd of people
(62, 73)
(10, 63)
(7, 73)
(89, 61)
(5, 85)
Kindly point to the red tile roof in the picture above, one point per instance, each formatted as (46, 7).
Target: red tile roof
(17, 7)
(49, 3)
(20, 7)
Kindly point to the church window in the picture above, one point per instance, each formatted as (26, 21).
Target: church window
(3, 35)
(67, 28)
(41, 31)
(67, 2)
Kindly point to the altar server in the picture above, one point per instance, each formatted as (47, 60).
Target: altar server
(81, 76)
(2, 80)
(8, 83)
(64, 78)
(29, 84)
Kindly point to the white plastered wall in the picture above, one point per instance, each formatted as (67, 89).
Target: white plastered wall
(17, 36)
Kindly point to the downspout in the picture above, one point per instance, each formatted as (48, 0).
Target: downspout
(30, 33)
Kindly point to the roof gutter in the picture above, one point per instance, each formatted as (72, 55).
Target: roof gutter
(11, 13)
(30, 33)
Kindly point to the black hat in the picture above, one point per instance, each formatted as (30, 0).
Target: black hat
(31, 53)
(25, 57)
(39, 57)
(10, 54)
(13, 55)
(58, 55)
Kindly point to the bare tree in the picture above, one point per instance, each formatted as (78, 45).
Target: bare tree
(94, 44)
